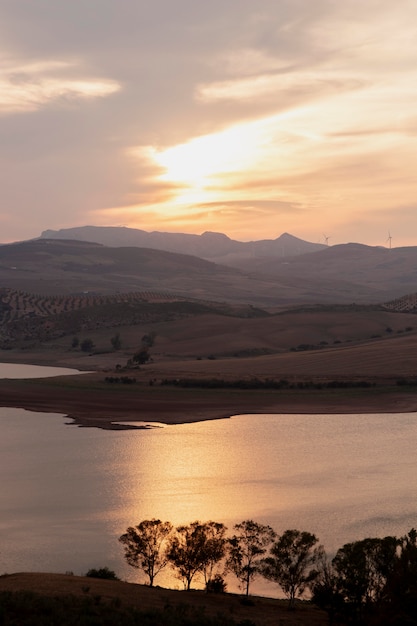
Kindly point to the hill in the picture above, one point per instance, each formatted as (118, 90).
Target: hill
(337, 274)
(57, 267)
(296, 270)
(55, 597)
(205, 320)
(183, 328)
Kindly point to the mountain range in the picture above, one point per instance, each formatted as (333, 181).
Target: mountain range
(279, 273)
(216, 247)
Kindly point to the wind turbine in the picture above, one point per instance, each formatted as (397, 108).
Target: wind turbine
(326, 239)
(389, 239)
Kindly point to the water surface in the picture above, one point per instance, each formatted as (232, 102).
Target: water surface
(68, 493)
(19, 370)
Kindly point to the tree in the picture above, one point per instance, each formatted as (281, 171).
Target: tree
(291, 565)
(145, 546)
(87, 345)
(245, 547)
(401, 588)
(324, 587)
(196, 548)
(75, 342)
(215, 550)
(141, 356)
(363, 568)
(116, 342)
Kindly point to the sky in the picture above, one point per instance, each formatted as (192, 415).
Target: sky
(234, 116)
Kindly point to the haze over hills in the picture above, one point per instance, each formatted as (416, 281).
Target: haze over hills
(73, 267)
(213, 246)
(339, 274)
(312, 272)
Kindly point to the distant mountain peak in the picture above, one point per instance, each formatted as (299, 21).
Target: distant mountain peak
(208, 234)
(210, 245)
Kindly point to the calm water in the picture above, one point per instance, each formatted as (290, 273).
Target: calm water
(67, 493)
(14, 370)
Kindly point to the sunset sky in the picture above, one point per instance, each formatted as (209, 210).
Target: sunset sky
(243, 117)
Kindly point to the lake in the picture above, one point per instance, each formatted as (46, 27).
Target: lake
(67, 493)
(15, 370)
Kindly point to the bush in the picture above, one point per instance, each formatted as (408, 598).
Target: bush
(216, 584)
(102, 572)
(141, 357)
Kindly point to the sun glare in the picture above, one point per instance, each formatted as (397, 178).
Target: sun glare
(202, 158)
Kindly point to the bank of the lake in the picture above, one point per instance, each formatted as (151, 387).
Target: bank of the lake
(90, 401)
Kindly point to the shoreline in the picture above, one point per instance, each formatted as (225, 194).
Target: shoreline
(90, 402)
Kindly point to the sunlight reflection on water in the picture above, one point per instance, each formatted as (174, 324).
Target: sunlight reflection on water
(71, 492)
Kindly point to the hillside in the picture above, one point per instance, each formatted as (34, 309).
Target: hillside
(204, 337)
(296, 270)
(108, 602)
(56, 267)
(338, 274)
(205, 319)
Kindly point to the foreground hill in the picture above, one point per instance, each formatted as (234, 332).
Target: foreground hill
(46, 597)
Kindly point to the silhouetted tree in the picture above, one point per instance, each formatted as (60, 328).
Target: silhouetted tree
(401, 589)
(145, 546)
(363, 568)
(195, 548)
(245, 547)
(291, 564)
(215, 550)
(325, 589)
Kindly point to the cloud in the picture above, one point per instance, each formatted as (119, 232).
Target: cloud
(25, 88)
(198, 113)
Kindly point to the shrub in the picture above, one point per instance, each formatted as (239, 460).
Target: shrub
(216, 584)
(102, 572)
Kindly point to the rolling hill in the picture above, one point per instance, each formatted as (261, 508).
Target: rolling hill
(334, 275)
(312, 314)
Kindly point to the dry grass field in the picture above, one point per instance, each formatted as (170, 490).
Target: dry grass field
(92, 401)
(261, 611)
